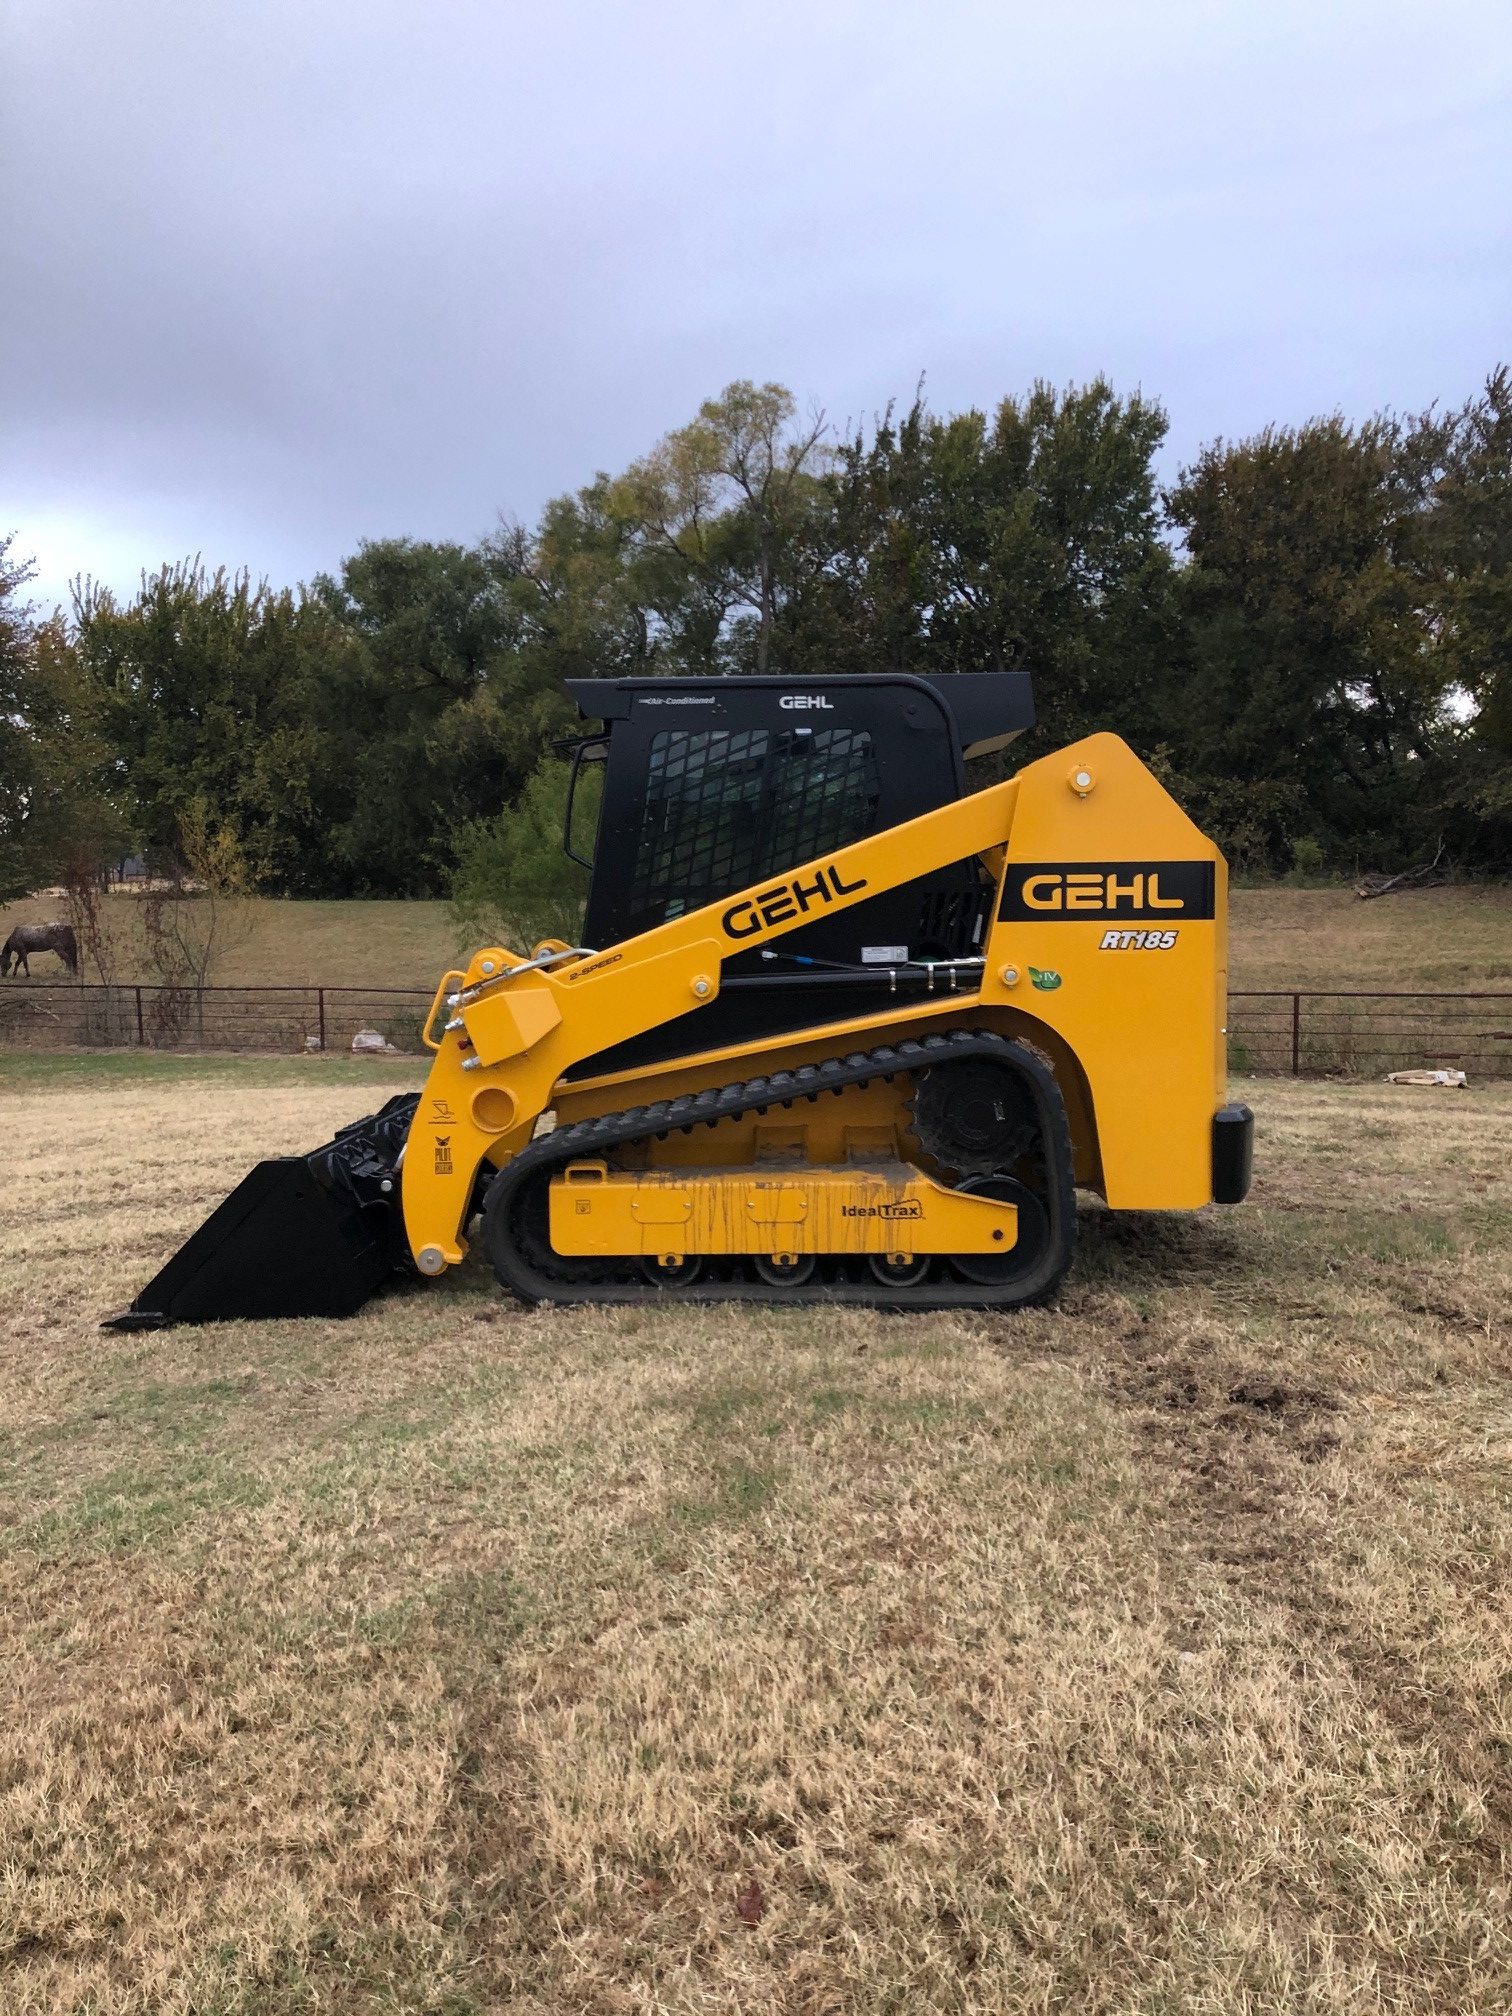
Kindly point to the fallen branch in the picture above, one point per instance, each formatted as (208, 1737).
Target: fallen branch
(1425, 876)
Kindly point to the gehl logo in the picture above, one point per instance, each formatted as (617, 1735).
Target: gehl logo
(1139, 891)
(798, 702)
(788, 899)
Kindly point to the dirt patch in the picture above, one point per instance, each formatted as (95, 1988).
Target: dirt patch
(1235, 1444)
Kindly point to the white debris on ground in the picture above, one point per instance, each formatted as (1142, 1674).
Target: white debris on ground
(1426, 1078)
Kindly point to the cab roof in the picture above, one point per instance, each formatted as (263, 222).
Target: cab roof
(989, 709)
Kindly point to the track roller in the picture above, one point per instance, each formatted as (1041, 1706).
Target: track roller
(898, 1273)
(672, 1273)
(786, 1270)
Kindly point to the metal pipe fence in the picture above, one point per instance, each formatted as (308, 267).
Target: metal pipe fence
(1289, 1031)
(1353, 1033)
(68, 1015)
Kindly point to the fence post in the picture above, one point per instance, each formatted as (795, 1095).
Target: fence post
(320, 992)
(1296, 1070)
(141, 1039)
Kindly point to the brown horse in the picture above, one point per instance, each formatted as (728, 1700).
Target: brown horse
(29, 938)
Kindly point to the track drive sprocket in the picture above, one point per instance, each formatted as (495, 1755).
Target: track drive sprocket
(975, 1117)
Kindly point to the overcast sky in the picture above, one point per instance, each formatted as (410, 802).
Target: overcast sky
(278, 275)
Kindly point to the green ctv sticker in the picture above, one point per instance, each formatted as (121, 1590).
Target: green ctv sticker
(1045, 978)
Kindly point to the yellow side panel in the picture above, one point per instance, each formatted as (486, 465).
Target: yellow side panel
(891, 1208)
(1144, 1019)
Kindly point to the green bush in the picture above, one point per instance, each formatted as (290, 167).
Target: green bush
(1308, 862)
(513, 885)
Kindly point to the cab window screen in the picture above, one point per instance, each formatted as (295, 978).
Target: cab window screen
(728, 808)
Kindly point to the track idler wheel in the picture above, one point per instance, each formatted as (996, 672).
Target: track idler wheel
(992, 1270)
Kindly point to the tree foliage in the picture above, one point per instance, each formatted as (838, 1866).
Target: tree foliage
(1345, 607)
(1030, 537)
(55, 806)
(1309, 634)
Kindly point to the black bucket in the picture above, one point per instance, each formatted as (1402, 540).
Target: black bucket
(302, 1235)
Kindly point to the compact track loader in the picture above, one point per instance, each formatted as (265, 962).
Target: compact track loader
(840, 1029)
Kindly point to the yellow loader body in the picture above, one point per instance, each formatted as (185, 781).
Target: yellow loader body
(904, 1125)
(1107, 953)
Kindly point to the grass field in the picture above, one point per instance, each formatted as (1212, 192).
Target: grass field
(1437, 939)
(1149, 1653)
(377, 944)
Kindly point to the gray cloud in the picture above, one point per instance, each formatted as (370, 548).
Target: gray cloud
(280, 276)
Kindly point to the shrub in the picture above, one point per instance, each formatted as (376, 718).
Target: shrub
(513, 885)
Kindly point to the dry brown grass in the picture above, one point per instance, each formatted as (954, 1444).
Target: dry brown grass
(1443, 939)
(1146, 1654)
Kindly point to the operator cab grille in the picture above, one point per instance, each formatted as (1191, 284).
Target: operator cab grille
(728, 808)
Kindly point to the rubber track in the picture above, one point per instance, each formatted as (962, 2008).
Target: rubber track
(597, 1138)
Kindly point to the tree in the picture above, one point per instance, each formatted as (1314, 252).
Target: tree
(1467, 551)
(23, 761)
(418, 707)
(1031, 538)
(193, 916)
(708, 524)
(1308, 635)
(55, 819)
(190, 680)
(342, 735)
(1317, 676)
